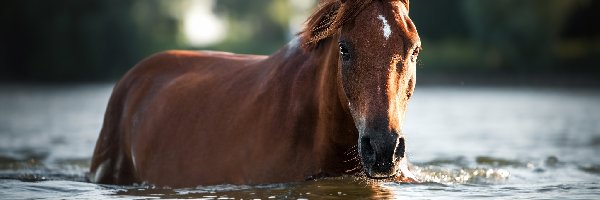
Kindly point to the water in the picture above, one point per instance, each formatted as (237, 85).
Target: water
(465, 142)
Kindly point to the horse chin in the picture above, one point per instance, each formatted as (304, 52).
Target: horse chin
(376, 175)
(399, 173)
(378, 171)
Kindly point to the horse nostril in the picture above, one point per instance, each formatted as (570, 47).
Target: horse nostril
(400, 148)
(366, 147)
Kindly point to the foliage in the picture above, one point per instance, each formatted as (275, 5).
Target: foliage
(74, 40)
(256, 27)
(90, 40)
(518, 35)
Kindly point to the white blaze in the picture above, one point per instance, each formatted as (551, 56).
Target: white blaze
(387, 31)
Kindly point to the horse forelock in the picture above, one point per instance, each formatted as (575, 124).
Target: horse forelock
(330, 16)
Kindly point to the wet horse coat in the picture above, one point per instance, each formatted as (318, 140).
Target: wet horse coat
(183, 118)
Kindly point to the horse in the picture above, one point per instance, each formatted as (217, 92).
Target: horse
(329, 103)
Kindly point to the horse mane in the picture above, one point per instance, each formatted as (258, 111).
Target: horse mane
(329, 17)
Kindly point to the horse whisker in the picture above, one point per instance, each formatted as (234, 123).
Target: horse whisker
(358, 167)
(352, 159)
(352, 150)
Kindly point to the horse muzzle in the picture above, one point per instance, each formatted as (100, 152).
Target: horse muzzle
(381, 154)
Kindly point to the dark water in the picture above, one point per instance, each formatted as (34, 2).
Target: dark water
(466, 143)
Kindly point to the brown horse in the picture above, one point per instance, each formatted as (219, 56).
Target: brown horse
(331, 102)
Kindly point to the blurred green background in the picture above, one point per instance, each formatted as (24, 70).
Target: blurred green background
(550, 41)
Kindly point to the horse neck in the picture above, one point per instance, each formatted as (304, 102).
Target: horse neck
(335, 133)
(330, 97)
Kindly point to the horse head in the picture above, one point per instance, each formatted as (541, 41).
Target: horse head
(378, 49)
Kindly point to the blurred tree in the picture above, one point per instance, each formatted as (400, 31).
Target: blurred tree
(73, 40)
(257, 27)
(516, 35)
(439, 20)
(89, 40)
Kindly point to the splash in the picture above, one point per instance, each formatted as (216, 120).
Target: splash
(461, 176)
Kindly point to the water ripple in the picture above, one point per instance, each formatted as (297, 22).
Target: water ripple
(461, 176)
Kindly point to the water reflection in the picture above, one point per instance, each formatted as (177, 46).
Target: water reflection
(333, 188)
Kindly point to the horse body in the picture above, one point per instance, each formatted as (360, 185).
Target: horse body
(331, 102)
(194, 118)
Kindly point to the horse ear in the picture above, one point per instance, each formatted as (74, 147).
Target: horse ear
(406, 3)
(320, 25)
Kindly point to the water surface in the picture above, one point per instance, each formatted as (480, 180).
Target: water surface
(465, 143)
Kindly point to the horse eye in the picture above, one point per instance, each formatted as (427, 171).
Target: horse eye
(344, 53)
(415, 54)
(416, 51)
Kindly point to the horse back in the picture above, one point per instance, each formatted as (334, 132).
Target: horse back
(137, 93)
